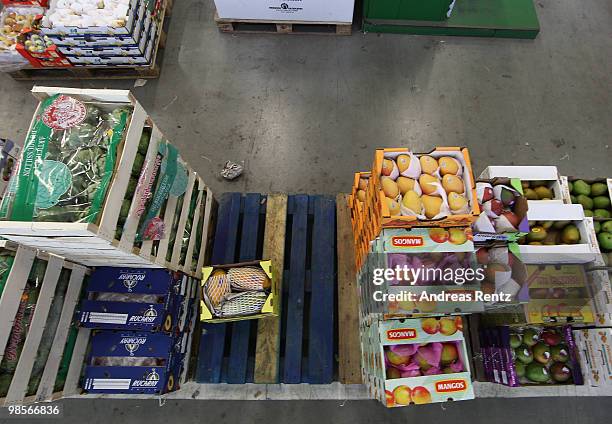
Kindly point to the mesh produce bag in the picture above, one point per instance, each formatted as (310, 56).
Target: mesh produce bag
(216, 288)
(240, 304)
(248, 278)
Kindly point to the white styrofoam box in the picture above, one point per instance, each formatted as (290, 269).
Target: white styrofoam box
(337, 11)
(582, 252)
(558, 184)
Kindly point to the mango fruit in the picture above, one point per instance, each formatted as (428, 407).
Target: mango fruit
(412, 201)
(530, 194)
(607, 227)
(403, 162)
(601, 213)
(428, 183)
(536, 234)
(453, 184)
(432, 205)
(581, 187)
(389, 187)
(394, 207)
(599, 189)
(387, 167)
(601, 202)
(543, 192)
(570, 234)
(585, 201)
(404, 184)
(605, 240)
(448, 166)
(428, 164)
(588, 212)
(363, 183)
(361, 195)
(456, 201)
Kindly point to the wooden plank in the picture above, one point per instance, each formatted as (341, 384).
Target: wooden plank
(239, 349)
(169, 213)
(13, 290)
(19, 384)
(123, 170)
(349, 371)
(143, 192)
(208, 220)
(267, 353)
(212, 343)
(178, 239)
(297, 274)
(47, 381)
(71, 385)
(322, 325)
(188, 265)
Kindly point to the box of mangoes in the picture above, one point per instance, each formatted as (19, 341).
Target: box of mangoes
(434, 189)
(530, 355)
(595, 196)
(558, 233)
(539, 183)
(417, 361)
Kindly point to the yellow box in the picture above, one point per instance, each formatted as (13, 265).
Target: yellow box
(270, 308)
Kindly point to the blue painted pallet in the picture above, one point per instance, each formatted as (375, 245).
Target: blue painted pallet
(308, 325)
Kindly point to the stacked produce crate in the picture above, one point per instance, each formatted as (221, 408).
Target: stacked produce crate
(99, 185)
(536, 257)
(143, 321)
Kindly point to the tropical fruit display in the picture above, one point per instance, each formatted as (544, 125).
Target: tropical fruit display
(237, 291)
(530, 355)
(594, 197)
(538, 183)
(416, 361)
(552, 233)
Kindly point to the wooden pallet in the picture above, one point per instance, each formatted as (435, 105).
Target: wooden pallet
(298, 347)
(250, 26)
(98, 244)
(348, 297)
(104, 72)
(48, 297)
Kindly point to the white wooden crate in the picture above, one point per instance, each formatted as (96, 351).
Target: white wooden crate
(9, 304)
(96, 244)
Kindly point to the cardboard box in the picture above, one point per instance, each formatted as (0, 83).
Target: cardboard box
(423, 248)
(416, 339)
(550, 174)
(488, 229)
(607, 181)
(133, 299)
(601, 292)
(337, 11)
(380, 216)
(271, 306)
(135, 16)
(133, 363)
(583, 252)
(549, 352)
(594, 348)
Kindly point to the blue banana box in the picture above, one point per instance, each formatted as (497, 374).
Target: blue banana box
(129, 362)
(137, 299)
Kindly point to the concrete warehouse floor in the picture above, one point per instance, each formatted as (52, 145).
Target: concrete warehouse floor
(305, 112)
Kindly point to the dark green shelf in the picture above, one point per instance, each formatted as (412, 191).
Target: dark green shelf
(473, 18)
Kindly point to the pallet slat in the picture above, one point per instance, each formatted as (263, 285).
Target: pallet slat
(47, 381)
(212, 342)
(239, 350)
(267, 351)
(349, 367)
(295, 312)
(11, 295)
(253, 26)
(321, 333)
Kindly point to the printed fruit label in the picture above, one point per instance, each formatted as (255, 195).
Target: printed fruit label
(65, 112)
(402, 334)
(447, 386)
(407, 241)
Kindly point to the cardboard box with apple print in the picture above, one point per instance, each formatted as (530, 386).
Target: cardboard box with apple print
(417, 361)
